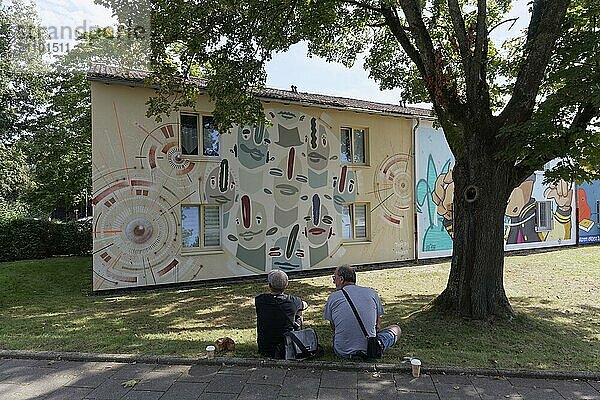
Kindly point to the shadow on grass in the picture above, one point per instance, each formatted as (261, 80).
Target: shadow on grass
(49, 309)
(538, 337)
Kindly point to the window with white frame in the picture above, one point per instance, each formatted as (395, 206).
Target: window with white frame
(192, 142)
(201, 226)
(544, 215)
(354, 145)
(355, 223)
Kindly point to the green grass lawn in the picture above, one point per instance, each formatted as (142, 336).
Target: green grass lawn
(48, 305)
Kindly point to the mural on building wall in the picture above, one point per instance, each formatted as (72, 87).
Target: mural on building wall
(280, 188)
(393, 187)
(588, 202)
(136, 206)
(435, 195)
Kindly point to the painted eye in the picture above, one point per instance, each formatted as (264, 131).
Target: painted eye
(237, 221)
(246, 134)
(213, 182)
(232, 185)
(351, 186)
(324, 140)
(258, 219)
(335, 181)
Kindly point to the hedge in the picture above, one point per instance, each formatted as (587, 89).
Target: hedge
(23, 239)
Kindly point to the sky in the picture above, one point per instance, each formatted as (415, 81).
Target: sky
(293, 67)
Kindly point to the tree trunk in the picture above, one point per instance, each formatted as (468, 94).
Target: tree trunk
(475, 286)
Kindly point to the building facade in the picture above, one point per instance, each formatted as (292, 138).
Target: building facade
(325, 181)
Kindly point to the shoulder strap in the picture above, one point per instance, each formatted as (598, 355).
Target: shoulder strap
(362, 326)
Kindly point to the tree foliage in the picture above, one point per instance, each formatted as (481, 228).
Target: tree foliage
(21, 100)
(21, 66)
(61, 149)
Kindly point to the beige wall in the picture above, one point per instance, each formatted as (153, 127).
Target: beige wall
(140, 183)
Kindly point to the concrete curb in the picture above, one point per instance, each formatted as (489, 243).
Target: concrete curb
(328, 365)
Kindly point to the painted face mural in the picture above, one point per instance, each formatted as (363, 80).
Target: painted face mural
(318, 223)
(585, 211)
(287, 254)
(344, 188)
(251, 223)
(317, 147)
(287, 181)
(220, 187)
(252, 146)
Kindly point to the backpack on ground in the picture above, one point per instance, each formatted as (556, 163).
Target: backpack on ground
(302, 344)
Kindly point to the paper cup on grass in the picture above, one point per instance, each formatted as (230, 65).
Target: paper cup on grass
(210, 351)
(416, 367)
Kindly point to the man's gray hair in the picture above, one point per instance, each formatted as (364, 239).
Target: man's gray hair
(347, 273)
(278, 280)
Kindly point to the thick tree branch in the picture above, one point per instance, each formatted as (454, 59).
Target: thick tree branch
(544, 29)
(584, 116)
(393, 22)
(423, 42)
(458, 23)
(478, 78)
(481, 37)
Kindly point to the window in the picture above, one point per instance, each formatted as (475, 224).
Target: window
(355, 224)
(201, 227)
(354, 145)
(190, 139)
(544, 216)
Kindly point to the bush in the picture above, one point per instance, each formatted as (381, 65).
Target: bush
(22, 239)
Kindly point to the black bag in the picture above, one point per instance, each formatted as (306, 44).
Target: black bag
(374, 345)
(302, 344)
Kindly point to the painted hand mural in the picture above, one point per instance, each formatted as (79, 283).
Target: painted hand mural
(521, 211)
(562, 194)
(524, 224)
(434, 197)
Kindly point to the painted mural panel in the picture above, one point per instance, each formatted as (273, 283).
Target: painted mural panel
(588, 202)
(537, 215)
(273, 199)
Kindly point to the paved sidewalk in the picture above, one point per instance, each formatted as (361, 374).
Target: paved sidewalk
(73, 380)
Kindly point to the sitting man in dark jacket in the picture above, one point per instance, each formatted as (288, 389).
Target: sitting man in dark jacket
(276, 313)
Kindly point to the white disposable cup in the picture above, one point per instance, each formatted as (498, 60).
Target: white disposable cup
(416, 367)
(210, 352)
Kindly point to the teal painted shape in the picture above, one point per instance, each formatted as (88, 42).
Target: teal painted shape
(436, 238)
